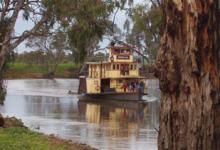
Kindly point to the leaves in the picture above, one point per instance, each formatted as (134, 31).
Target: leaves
(146, 29)
(89, 22)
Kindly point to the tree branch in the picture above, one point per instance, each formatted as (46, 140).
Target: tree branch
(4, 8)
(14, 16)
(5, 49)
(27, 34)
(113, 22)
(156, 4)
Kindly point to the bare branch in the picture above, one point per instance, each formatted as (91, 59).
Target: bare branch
(6, 43)
(4, 9)
(27, 34)
(113, 22)
(156, 4)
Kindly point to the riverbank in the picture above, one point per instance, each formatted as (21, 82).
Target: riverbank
(65, 70)
(36, 71)
(14, 135)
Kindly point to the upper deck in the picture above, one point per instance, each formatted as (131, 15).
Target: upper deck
(113, 70)
(120, 54)
(120, 64)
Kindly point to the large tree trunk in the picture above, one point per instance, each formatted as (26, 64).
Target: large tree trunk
(2, 64)
(188, 70)
(2, 86)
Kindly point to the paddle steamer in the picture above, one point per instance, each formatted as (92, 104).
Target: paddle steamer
(118, 78)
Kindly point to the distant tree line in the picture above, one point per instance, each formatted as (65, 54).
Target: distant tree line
(40, 57)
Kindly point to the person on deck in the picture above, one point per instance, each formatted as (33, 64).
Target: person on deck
(137, 86)
(130, 87)
(133, 87)
(125, 86)
(141, 87)
(141, 90)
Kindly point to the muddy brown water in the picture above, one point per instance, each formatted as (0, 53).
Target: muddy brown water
(45, 106)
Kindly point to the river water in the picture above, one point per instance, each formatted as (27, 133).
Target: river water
(45, 106)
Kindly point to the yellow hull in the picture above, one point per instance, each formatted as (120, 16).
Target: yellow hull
(112, 96)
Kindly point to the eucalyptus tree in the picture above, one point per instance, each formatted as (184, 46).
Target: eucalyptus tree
(10, 10)
(90, 24)
(96, 19)
(145, 32)
(143, 28)
(188, 64)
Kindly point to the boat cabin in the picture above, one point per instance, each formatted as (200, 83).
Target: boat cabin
(119, 74)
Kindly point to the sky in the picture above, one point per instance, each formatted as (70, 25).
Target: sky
(22, 25)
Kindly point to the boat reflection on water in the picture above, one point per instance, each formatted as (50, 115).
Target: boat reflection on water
(121, 119)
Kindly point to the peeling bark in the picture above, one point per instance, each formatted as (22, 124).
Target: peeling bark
(10, 11)
(188, 70)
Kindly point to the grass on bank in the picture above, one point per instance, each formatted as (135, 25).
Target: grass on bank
(15, 136)
(23, 139)
(22, 70)
(62, 68)
(22, 67)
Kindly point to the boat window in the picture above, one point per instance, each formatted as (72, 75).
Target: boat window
(108, 67)
(131, 67)
(117, 51)
(135, 67)
(117, 66)
(113, 66)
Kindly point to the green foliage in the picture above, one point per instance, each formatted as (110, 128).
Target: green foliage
(23, 67)
(146, 29)
(24, 139)
(84, 21)
(38, 57)
(90, 24)
(62, 68)
(32, 57)
(38, 68)
(98, 57)
(22, 71)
